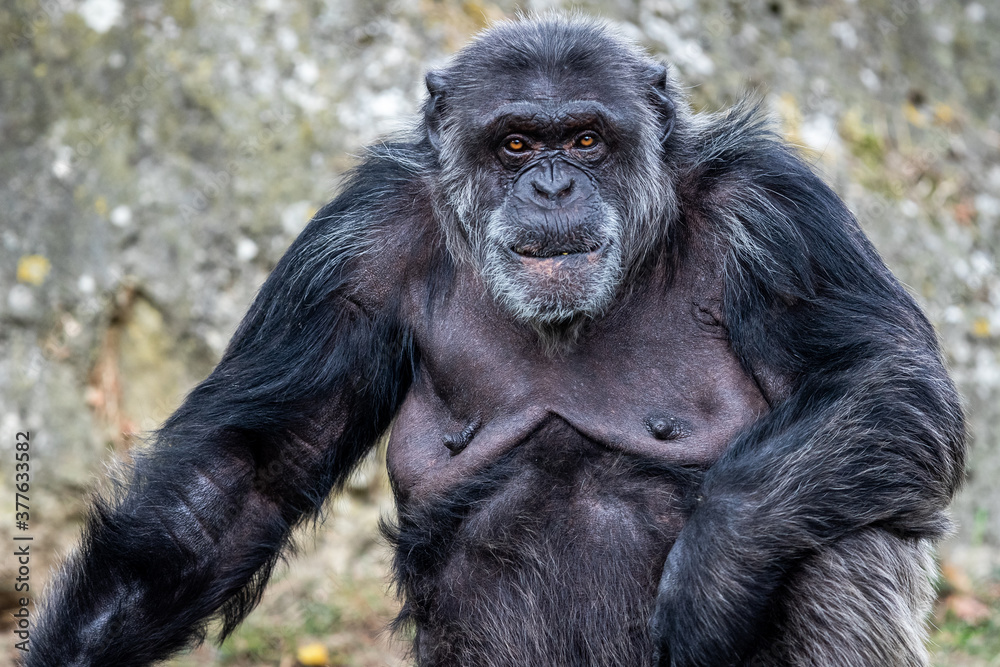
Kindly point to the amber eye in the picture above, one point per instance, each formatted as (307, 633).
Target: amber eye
(515, 145)
(586, 141)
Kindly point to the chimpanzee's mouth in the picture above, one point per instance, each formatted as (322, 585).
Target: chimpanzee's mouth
(534, 251)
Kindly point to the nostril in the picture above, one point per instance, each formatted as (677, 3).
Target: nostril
(554, 190)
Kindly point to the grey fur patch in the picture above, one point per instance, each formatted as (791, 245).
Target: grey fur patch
(861, 602)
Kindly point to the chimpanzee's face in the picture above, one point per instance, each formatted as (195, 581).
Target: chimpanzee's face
(559, 186)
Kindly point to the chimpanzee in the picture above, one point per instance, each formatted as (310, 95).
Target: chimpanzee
(654, 398)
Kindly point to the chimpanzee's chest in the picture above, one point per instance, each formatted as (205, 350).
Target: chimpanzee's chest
(655, 377)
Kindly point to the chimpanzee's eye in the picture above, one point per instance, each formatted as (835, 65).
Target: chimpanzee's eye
(515, 144)
(588, 140)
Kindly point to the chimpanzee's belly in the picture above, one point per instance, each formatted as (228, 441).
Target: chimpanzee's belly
(549, 556)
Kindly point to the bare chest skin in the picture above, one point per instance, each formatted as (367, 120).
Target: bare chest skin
(654, 377)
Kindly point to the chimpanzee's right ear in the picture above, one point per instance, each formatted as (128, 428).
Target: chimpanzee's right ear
(657, 76)
(434, 107)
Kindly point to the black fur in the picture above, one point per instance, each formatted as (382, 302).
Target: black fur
(542, 520)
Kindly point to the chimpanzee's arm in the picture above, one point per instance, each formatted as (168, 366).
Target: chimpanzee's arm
(309, 381)
(865, 432)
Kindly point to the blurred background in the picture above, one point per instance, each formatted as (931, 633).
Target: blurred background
(157, 157)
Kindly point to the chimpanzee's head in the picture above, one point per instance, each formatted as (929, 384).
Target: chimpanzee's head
(554, 140)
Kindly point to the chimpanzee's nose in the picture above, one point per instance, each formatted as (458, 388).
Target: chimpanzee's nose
(553, 183)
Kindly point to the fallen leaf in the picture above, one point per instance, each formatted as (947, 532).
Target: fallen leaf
(981, 327)
(312, 655)
(33, 269)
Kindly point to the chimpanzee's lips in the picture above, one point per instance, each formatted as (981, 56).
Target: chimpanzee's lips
(532, 251)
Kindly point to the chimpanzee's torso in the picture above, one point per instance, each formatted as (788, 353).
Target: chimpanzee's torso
(654, 378)
(530, 483)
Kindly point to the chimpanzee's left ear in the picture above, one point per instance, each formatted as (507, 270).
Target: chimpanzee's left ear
(434, 107)
(656, 76)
